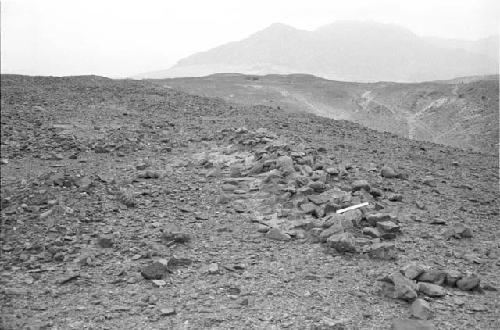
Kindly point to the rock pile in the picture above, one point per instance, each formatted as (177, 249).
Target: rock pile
(414, 281)
(301, 193)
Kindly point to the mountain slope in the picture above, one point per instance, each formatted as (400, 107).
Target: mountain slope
(344, 50)
(461, 112)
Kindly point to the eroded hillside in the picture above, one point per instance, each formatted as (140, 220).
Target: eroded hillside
(461, 113)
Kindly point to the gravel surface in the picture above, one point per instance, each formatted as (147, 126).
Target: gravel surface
(129, 205)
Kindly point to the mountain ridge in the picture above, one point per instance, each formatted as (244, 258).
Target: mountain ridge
(343, 50)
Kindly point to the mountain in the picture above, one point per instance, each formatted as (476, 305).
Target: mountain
(462, 112)
(344, 50)
(486, 46)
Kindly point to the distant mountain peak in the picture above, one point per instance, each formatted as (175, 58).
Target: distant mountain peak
(343, 50)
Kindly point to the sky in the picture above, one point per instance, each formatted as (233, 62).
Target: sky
(122, 38)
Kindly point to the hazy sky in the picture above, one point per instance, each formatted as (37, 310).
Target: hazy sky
(122, 38)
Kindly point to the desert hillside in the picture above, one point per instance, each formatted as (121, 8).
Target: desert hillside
(126, 204)
(462, 112)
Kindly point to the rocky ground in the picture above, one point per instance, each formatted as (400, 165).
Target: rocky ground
(129, 205)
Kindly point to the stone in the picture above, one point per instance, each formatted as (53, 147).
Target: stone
(332, 171)
(154, 271)
(213, 268)
(421, 309)
(438, 222)
(332, 324)
(371, 231)
(468, 283)
(399, 287)
(452, 276)
(319, 199)
(388, 172)
(420, 205)
(331, 208)
(228, 187)
(235, 171)
(149, 174)
(277, 235)
(261, 228)
(175, 236)
(105, 242)
(318, 186)
(409, 324)
(352, 218)
(159, 283)
(375, 192)
(167, 311)
(174, 262)
(463, 231)
(308, 208)
(343, 242)
(332, 230)
(431, 290)
(285, 165)
(360, 184)
(388, 226)
(429, 181)
(395, 198)
(478, 308)
(141, 166)
(383, 251)
(433, 276)
(374, 218)
(412, 271)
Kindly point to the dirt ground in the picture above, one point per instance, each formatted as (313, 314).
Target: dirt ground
(129, 205)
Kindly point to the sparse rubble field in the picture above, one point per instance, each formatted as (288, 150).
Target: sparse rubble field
(129, 205)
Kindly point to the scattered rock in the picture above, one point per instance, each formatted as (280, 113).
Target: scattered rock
(343, 242)
(395, 198)
(421, 309)
(154, 271)
(332, 324)
(412, 271)
(399, 287)
(277, 235)
(409, 324)
(431, 290)
(332, 230)
(159, 283)
(458, 231)
(438, 222)
(375, 218)
(149, 174)
(478, 308)
(468, 283)
(371, 231)
(433, 276)
(285, 165)
(388, 226)
(382, 251)
(170, 237)
(388, 172)
(360, 184)
(213, 268)
(167, 311)
(452, 277)
(105, 242)
(429, 181)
